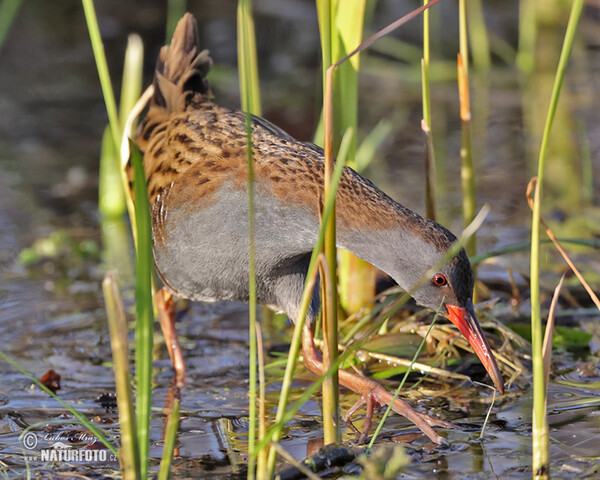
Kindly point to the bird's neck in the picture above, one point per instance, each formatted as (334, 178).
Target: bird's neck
(404, 248)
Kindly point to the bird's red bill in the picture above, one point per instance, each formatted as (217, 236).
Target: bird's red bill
(466, 321)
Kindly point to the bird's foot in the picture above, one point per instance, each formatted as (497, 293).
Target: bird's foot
(375, 395)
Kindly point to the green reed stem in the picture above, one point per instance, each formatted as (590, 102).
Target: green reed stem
(111, 201)
(462, 35)
(540, 434)
(114, 196)
(430, 201)
(262, 404)
(131, 84)
(247, 59)
(131, 87)
(250, 100)
(102, 66)
(329, 296)
(144, 327)
(326, 10)
(468, 182)
(426, 55)
(253, 303)
(117, 323)
(170, 437)
(371, 143)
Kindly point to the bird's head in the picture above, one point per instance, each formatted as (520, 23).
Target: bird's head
(452, 287)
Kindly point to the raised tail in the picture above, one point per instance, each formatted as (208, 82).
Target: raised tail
(181, 68)
(179, 78)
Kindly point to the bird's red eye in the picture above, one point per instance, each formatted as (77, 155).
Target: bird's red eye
(439, 280)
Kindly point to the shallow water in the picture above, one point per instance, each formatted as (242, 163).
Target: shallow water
(52, 316)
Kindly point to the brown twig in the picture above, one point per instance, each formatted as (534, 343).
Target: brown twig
(593, 296)
(547, 345)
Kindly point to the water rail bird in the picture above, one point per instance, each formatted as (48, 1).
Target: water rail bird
(195, 162)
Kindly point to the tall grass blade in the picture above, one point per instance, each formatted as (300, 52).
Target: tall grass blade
(125, 151)
(262, 405)
(131, 84)
(462, 37)
(326, 14)
(329, 297)
(247, 59)
(549, 333)
(144, 327)
(330, 47)
(331, 410)
(387, 30)
(131, 88)
(117, 322)
(430, 196)
(116, 247)
(430, 200)
(111, 201)
(170, 437)
(102, 67)
(250, 100)
(253, 303)
(540, 434)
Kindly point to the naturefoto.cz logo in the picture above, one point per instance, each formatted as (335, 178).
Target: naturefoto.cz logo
(58, 449)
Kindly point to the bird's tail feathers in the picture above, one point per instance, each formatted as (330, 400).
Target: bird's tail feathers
(180, 68)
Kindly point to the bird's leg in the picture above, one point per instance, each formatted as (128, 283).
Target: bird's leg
(371, 394)
(166, 316)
